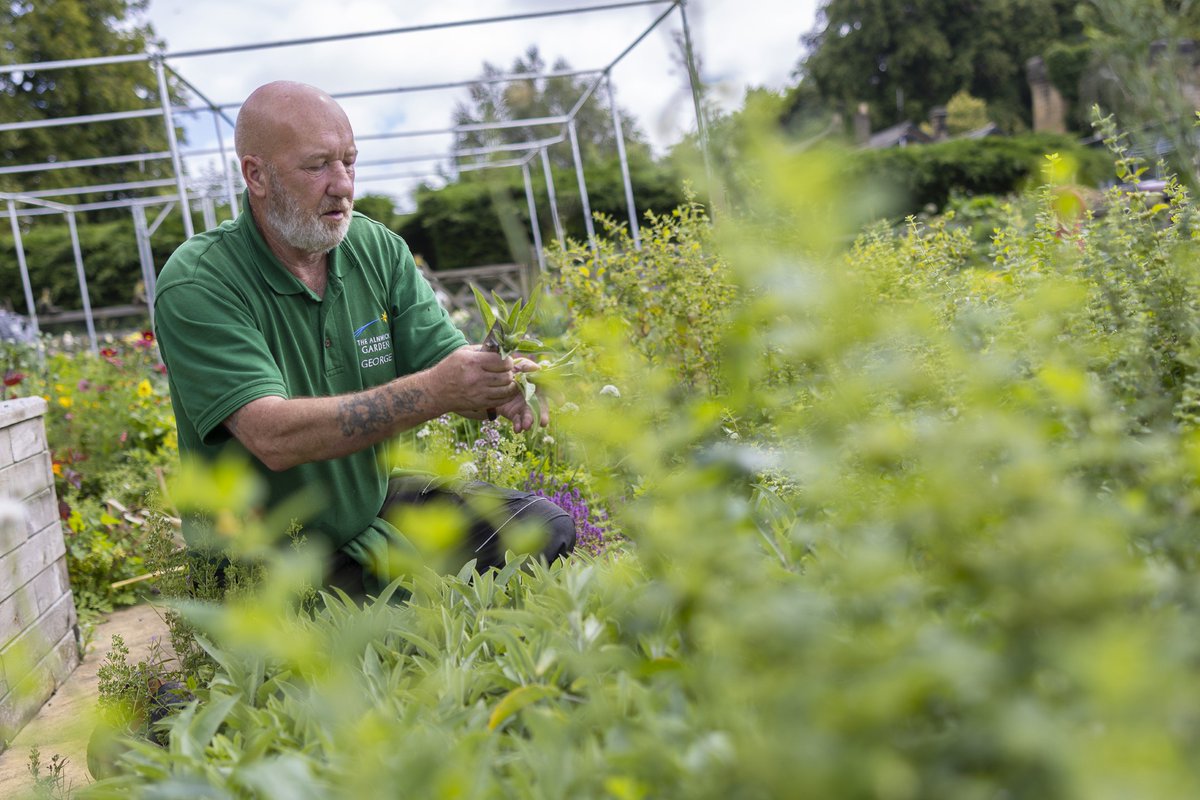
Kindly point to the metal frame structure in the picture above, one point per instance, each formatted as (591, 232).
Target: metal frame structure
(38, 203)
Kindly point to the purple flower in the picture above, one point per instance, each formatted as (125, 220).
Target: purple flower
(592, 529)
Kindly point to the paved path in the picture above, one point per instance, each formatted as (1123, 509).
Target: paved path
(65, 722)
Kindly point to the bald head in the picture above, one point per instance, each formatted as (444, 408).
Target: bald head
(297, 154)
(278, 115)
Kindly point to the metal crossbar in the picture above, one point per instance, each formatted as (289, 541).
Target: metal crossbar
(504, 278)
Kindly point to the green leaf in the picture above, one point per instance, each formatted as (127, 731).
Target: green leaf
(514, 314)
(530, 346)
(518, 699)
(501, 307)
(526, 315)
(485, 308)
(197, 728)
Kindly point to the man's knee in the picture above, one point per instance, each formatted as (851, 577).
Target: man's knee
(560, 533)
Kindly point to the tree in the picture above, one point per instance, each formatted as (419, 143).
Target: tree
(965, 113)
(1143, 68)
(51, 30)
(541, 96)
(905, 56)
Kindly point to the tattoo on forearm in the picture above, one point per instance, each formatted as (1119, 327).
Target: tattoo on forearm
(371, 412)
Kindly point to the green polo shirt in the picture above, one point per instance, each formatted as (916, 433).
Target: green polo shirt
(234, 325)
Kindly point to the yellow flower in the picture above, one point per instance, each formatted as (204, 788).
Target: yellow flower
(144, 389)
(65, 402)
(56, 468)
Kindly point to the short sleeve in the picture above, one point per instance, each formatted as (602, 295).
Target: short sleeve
(421, 328)
(217, 359)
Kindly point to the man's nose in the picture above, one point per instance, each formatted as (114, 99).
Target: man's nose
(341, 181)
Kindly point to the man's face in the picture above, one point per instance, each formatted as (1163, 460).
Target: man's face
(311, 212)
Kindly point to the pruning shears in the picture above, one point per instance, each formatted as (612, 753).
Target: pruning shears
(491, 344)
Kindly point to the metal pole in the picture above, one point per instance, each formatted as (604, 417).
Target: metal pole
(533, 219)
(208, 213)
(212, 51)
(20, 245)
(151, 273)
(616, 116)
(550, 193)
(111, 116)
(165, 98)
(83, 287)
(137, 158)
(145, 256)
(694, 80)
(583, 195)
(233, 206)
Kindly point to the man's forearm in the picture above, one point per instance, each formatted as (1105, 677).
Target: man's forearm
(284, 433)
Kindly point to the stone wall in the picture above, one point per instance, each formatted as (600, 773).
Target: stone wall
(38, 631)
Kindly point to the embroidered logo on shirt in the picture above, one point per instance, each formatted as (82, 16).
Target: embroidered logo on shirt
(372, 347)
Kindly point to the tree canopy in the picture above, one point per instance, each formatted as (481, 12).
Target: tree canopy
(542, 96)
(903, 57)
(51, 30)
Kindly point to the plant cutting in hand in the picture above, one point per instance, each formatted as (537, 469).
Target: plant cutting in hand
(508, 334)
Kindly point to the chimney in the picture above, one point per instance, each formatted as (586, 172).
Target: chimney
(862, 124)
(937, 118)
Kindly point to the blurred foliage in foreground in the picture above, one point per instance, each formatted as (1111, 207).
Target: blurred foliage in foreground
(931, 535)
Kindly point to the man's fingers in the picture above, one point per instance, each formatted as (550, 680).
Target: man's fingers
(525, 365)
(492, 362)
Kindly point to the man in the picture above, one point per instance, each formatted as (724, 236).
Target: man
(305, 332)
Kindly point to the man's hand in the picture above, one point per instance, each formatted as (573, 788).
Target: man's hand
(516, 409)
(471, 380)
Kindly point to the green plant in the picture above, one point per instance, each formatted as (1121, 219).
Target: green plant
(111, 434)
(931, 537)
(53, 784)
(928, 175)
(672, 296)
(508, 334)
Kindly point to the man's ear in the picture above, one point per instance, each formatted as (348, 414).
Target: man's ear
(254, 173)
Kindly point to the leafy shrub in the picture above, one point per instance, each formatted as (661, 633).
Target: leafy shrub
(946, 554)
(672, 295)
(924, 175)
(485, 219)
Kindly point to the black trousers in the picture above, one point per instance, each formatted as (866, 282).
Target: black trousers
(492, 513)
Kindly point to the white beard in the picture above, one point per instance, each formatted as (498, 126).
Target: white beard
(310, 234)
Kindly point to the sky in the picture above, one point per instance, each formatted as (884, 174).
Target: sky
(740, 44)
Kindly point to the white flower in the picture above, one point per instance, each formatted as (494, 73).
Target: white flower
(569, 408)
(468, 471)
(547, 440)
(610, 391)
(421, 434)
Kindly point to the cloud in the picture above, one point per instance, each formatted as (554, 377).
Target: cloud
(740, 44)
